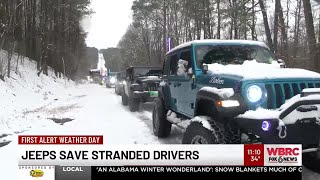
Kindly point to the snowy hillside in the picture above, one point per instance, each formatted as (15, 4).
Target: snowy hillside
(24, 91)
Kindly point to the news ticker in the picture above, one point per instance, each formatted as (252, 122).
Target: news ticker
(90, 151)
(87, 157)
(103, 172)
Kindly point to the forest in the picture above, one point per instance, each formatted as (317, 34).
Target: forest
(291, 28)
(47, 31)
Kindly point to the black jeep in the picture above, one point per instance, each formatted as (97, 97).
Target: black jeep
(141, 85)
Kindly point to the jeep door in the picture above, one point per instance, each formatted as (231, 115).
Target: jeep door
(172, 82)
(185, 84)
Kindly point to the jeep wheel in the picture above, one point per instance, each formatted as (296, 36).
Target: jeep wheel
(118, 92)
(197, 134)
(161, 127)
(312, 161)
(232, 134)
(124, 98)
(134, 104)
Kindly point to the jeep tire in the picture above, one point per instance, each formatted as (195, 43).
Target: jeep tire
(161, 126)
(124, 98)
(197, 134)
(117, 91)
(134, 104)
(311, 161)
(232, 133)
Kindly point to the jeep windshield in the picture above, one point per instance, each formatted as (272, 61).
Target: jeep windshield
(94, 73)
(146, 72)
(113, 74)
(232, 54)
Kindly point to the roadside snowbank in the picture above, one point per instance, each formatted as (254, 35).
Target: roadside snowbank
(25, 91)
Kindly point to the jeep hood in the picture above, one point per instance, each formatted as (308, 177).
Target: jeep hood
(252, 70)
(149, 79)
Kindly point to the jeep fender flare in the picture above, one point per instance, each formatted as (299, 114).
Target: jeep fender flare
(206, 104)
(162, 90)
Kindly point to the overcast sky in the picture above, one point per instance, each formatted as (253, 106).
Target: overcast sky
(109, 22)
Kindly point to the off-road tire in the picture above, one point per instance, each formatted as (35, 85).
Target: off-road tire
(117, 91)
(134, 104)
(232, 134)
(108, 86)
(124, 98)
(311, 161)
(196, 131)
(161, 126)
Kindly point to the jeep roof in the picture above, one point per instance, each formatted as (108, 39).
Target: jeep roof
(149, 67)
(217, 41)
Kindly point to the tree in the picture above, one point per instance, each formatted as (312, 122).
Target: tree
(47, 31)
(311, 34)
(266, 24)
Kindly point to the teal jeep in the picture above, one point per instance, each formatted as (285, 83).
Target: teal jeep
(235, 91)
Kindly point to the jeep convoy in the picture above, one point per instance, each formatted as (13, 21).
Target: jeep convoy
(234, 92)
(141, 85)
(229, 92)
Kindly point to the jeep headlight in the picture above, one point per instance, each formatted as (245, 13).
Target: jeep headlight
(254, 93)
(112, 80)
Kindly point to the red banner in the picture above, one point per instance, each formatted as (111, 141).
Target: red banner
(48, 140)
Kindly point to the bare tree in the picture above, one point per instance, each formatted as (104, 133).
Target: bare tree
(266, 24)
(311, 34)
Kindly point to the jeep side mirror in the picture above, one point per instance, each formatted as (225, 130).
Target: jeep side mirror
(282, 63)
(205, 68)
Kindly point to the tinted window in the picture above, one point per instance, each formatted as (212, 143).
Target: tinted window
(186, 55)
(232, 54)
(166, 67)
(142, 71)
(173, 64)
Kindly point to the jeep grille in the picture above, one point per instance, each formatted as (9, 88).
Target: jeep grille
(152, 87)
(278, 93)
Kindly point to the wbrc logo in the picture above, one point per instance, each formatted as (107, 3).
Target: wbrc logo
(283, 155)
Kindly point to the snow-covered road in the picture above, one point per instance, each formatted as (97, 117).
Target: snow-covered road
(90, 109)
(93, 109)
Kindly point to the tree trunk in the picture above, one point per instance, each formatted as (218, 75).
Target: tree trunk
(266, 24)
(164, 35)
(253, 26)
(276, 27)
(311, 34)
(219, 20)
(284, 36)
(297, 28)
